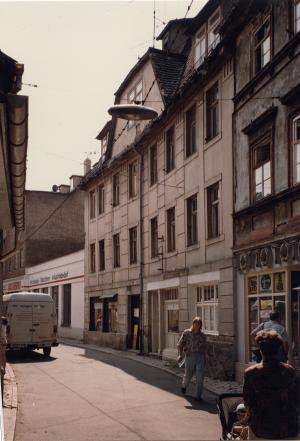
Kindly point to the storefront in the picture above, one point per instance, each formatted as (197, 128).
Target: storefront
(268, 279)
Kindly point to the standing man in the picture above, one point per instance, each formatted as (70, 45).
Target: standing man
(192, 345)
(275, 324)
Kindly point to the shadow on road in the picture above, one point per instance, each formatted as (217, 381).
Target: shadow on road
(155, 377)
(17, 357)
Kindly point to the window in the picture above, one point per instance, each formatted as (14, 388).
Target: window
(112, 316)
(101, 255)
(92, 203)
(213, 38)
(104, 144)
(92, 258)
(135, 96)
(207, 308)
(296, 149)
(154, 237)
(54, 295)
(133, 179)
(261, 163)
(133, 245)
(153, 165)
(265, 292)
(44, 290)
(171, 229)
(212, 112)
(101, 199)
(207, 38)
(190, 126)
(116, 190)
(192, 221)
(297, 15)
(116, 250)
(66, 305)
(262, 46)
(170, 149)
(213, 211)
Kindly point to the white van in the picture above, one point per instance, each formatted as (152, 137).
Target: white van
(32, 321)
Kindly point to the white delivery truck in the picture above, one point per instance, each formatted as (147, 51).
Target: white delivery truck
(32, 321)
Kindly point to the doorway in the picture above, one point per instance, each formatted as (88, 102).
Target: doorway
(295, 308)
(134, 321)
(171, 323)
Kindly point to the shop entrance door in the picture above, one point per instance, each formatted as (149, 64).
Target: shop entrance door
(171, 324)
(295, 306)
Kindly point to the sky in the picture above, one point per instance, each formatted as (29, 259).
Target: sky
(77, 53)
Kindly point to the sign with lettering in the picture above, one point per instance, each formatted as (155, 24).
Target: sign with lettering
(49, 279)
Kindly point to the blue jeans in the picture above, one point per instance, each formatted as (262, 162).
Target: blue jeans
(195, 361)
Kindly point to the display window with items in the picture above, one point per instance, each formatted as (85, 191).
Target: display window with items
(265, 292)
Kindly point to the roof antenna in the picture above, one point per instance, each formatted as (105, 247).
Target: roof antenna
(154, 24)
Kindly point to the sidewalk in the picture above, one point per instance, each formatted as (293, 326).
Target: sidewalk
(215, 387)
(10, 403)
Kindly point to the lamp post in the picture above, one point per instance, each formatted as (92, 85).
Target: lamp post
(136, 112)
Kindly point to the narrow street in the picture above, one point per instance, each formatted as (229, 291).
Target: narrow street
(81, 394)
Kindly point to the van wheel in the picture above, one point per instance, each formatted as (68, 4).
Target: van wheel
(47, 351)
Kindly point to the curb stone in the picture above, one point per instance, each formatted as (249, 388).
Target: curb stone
(10, 401)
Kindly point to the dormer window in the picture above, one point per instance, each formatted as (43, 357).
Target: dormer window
(135, 96)
(296, 16)
(104, 144)
(206, 39)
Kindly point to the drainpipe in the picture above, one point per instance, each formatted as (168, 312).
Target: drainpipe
(141, 321)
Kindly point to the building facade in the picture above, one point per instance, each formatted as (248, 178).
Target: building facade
(158, 203)
(266, 169)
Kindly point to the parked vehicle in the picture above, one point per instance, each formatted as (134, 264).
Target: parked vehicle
(32, 321)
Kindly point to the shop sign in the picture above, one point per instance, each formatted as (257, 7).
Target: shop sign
(47, 279)
(13, 286)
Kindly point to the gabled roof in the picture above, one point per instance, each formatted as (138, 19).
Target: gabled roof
(173, 23)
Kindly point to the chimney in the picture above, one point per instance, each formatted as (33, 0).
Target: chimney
(74, 181)
(87, 165)
(64, 188)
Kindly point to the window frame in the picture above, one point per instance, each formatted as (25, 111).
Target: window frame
(295, 117)
(92, 257)
(133, 245)
(136, 95)
(203, 35)
(153, 172)
(255, 46)
(170, 149)
(208, 304)
(192, 224)
(116, 251)
(116, 189)
(101, 199)
(154, 237)
(210, 209)
(66, 301)
(191, 126)
(104, 142)
(254, 145)
(295, 3)
(171, 229)
(101, 251)
(211, 131)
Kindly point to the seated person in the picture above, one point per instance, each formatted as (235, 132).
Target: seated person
(240, 427)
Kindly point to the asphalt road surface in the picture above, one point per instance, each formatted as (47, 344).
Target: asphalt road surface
(85, 395)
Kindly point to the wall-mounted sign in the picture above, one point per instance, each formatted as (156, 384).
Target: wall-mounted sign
(52, 278)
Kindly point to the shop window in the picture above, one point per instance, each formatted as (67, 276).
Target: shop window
(296, 16)
(132, 179)
(116, 189)
(262, 46)
(101, 199)
(101, 255)
(98, 316)
(92, 203)
(154, 237)
(135, 96)
(92, 258)
(133, 245)
(54, 295)
(45, 290)
(66, 319)
(116, 250)
(170, 150)
(153, 165)
(296, 149)
(213, 215)
(173, 320)
(261, 169)
(207, 308)
(171, 229)
(212, 112)
(266, 292)
(112, 316)
(192, 220)
(190, 131)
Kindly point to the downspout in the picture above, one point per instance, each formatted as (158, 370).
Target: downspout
(141, 276)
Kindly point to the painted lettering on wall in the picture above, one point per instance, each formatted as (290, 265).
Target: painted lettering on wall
(51, 278)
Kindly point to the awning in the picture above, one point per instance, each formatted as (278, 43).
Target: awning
(109, 296)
